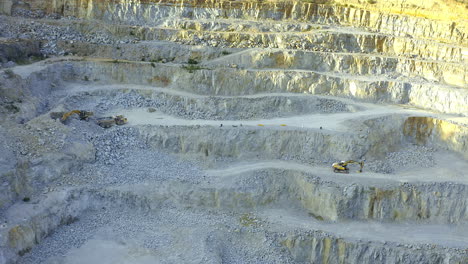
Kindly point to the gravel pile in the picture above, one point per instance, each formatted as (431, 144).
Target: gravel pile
(136, 167)
(183, 236)
(123, 157)
(161, 102)
(217, 40)
(50, 34)
(411, 156)
(115, 144)
(217, 108)
(332, 106)
(21, 12)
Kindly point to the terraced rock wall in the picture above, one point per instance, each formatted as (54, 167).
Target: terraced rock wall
(257, 99)
(234, 82)
(143, 12)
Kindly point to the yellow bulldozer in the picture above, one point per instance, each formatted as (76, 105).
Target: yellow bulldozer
(342, 166)
(107, 122)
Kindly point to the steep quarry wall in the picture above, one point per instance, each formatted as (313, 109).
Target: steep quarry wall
(427, 131)
(443, 133)
(236, 82)
(328, 41)
(354, 64)
(18, 50)
(317, 246)
(380, 18)
(248, 143)
(228, 81)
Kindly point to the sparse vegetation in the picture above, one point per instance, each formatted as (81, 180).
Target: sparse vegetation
(192, 61)
(12, 108)
(248, 219)
(24, 251)
(192, 68)
(318, 1)
(318, 217)
(162, 80)
(68, 220)
(157, 60)
(9, 73)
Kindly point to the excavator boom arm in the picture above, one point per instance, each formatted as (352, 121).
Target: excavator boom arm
(342, 166)
(84, 115)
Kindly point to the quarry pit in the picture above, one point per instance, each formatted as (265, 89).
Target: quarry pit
(236, 112)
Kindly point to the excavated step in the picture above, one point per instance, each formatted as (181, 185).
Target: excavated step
(245, 143)
(334, 40)
(201, 80)
(296, 231)
(358, 64)
(46, 79)
(150, 51)
(365, 196)
(361, 197)
(419, 130)
(348, 63)
(18, 50)
(330, 41)
(372, 243)
(151, 13)
(26, 225)
(306, 145)
(191, 106)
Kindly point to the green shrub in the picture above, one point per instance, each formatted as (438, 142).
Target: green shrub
(192, 61)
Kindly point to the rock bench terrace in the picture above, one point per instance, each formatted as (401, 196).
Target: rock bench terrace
(236, 112)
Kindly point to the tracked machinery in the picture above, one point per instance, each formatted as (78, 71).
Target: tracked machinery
(104, 122)
(63, 116)
(83, 115)
(107, 122)
(342, 166)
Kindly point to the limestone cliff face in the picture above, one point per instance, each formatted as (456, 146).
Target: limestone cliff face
(441, 20)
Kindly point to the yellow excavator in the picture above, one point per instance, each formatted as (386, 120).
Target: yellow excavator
(342, 166)
(104, 122)
(83, 115)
